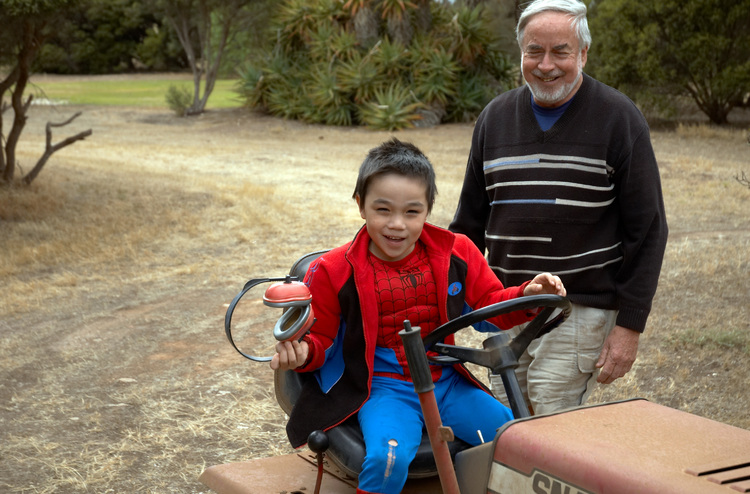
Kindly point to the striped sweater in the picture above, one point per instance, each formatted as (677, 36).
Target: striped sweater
(582, 200)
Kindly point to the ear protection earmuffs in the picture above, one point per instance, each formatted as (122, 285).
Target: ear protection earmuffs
(295, 298)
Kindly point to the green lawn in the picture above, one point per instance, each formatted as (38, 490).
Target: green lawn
(125, 92)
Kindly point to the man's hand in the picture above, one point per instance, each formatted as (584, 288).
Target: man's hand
(290, 355)
(618, 354)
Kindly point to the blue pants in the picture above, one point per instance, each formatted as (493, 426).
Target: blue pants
(392, 423)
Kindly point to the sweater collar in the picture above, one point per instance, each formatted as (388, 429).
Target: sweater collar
(578, 100)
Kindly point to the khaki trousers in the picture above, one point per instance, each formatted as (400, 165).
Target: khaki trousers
(558, 370)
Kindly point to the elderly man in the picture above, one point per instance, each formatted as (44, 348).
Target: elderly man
(562, 177)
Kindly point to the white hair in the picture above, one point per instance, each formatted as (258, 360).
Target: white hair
(575, 8)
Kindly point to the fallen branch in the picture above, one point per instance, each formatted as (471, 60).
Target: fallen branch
(50, 149)
(743, 179)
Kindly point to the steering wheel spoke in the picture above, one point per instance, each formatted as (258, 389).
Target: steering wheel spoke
(532, 331)
(500, 354)
(452, 354)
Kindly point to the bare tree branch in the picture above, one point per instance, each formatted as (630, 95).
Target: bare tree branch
(50, 149)
(742, 179)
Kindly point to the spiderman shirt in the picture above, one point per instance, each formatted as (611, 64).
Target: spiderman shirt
(404, 289)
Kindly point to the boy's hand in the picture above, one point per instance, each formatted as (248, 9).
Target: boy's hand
(290, 355)
(545, 283)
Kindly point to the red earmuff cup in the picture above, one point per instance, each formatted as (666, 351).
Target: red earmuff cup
(287, 294)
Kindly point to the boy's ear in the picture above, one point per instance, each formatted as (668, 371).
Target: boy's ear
(360, 205)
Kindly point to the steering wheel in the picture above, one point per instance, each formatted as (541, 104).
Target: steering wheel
(500, 353)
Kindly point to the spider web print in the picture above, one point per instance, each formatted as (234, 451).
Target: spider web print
(405, 290)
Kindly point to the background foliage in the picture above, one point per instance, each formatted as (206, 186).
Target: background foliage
(381, 63)
(111, 36)
(657, 52)
(337, 54)
(26, 25)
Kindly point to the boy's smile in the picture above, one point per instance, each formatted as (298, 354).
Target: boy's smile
(395, 209)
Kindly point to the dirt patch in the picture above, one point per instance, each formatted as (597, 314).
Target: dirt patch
(115, 373)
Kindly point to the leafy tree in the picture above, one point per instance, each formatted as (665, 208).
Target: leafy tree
(205, 28)
(26, 26)
(694, 48)
(387, 64)
(248, 41)
(106, 36)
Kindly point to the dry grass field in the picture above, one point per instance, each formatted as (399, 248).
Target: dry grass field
(119, 261)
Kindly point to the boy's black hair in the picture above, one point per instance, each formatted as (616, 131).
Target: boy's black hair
(401, 158)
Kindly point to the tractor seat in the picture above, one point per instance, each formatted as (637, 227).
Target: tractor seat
(347, 446)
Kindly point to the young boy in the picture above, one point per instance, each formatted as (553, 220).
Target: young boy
(397, 267)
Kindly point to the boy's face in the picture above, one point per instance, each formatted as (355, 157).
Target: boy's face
(395, 209)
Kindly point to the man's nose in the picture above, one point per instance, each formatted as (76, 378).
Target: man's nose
(546, 64)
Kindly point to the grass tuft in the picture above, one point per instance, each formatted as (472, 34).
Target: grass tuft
(717, 339)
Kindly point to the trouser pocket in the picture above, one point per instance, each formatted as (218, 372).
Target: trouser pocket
(592, 328)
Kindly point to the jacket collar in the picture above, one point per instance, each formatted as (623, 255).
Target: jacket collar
(438, 241)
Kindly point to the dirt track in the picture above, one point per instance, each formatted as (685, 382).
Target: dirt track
(115, 373)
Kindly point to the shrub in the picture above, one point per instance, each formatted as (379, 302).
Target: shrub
(179, 99)
(384, 64)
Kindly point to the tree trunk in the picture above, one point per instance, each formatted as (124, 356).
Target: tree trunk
(366, 27)
(29, 47)
(423, 16)
(198, 18)
(212, 58)
(399, 28)
(4, 85)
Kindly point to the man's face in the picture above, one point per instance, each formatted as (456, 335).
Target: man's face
(551, 60)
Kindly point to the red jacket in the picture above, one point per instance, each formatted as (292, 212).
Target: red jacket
(342, 340)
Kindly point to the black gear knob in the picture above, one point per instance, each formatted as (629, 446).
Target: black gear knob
(317, 441)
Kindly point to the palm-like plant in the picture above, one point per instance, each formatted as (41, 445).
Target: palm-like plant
(395, 8)
(471, 96)
(296, 20)
(436, 77)
(360, 77)
(250, 86)
(283, 100)
(331, 104)
(344, 44)
(354, 6)
(393, 108)
(319, 44)
(382, 63)
(501, 70)
(397, 14)
(391, 58)
(331, 41)
(469, 35)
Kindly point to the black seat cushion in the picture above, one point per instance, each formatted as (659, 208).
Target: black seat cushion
(347, 446)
